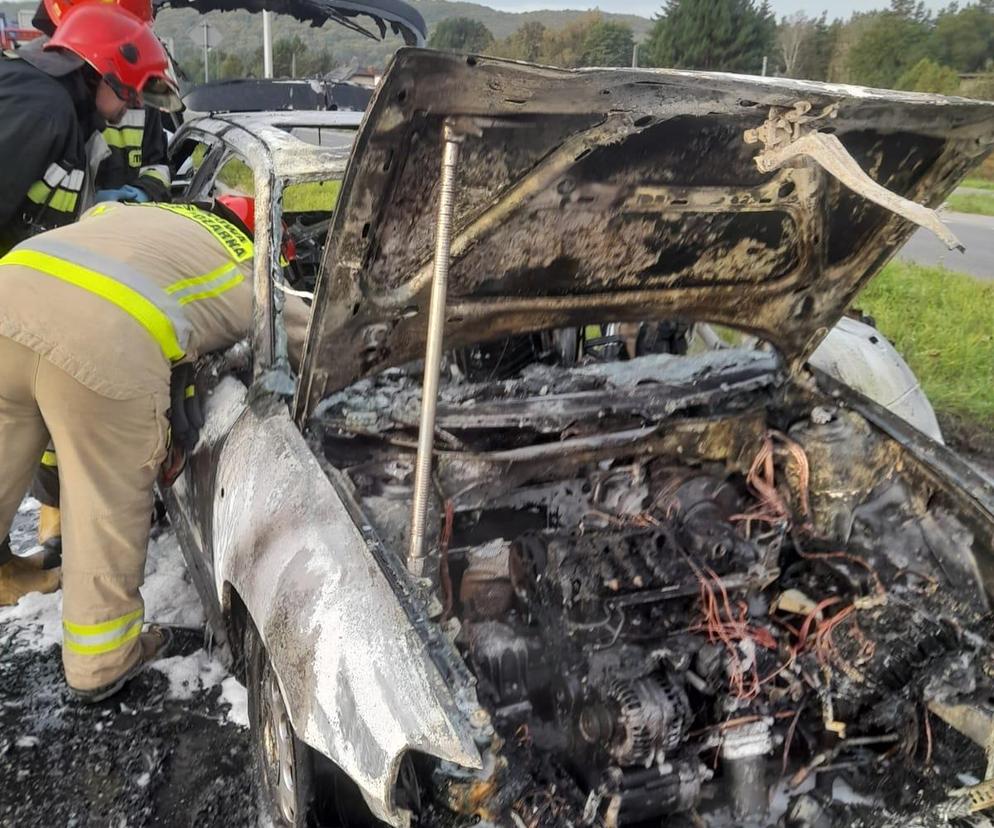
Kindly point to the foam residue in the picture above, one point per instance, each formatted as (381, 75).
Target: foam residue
(235, 694)
(170, 597)
(191, 674)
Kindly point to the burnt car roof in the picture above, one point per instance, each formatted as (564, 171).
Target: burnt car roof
(607, 195)
(399, 17)
(267, 140)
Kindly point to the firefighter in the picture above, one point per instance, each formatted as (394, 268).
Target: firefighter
(96, 318)
(133, 168)
(54, 94)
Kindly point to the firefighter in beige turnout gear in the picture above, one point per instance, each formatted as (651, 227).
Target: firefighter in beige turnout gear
(95, 317)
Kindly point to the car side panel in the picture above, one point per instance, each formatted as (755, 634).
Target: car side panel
(359, 685)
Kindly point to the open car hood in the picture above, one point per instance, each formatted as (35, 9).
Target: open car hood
(611, 195)
(402, 19)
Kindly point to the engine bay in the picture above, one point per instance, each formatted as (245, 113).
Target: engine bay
(690, 594)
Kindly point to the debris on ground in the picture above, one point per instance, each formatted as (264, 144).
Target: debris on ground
(172, 749)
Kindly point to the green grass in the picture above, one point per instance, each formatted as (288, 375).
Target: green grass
(978, 184)
(979, 204)
(943, 324)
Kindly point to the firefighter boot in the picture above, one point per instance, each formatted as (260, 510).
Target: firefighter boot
(19, 576)
(155, 644)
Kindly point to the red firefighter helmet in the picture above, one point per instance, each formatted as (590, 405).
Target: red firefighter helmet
(142, 9)
(123, 51)
(243, 207)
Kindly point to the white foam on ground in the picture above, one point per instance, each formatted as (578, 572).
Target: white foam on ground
(170, 597)
(234, 693)
(28, 506)
(35, 620)
(189, 675)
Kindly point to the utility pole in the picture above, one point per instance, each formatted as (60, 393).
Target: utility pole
(267, 46)
(206, 51)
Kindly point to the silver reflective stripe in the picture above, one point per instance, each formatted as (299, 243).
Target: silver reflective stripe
(132, 118)
(75, 181)
(122, 273)
(54, 175)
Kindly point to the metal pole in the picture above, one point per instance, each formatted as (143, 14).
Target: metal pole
(267, 46)
(433, 350)
(207, 76)
(635, 56)
(766, 62)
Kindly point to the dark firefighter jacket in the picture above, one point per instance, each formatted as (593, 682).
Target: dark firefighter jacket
(47, 116)
(137, 154)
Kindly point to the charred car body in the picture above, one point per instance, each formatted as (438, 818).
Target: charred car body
(694, 589)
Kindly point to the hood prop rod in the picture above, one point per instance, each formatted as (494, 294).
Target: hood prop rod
(452, 139)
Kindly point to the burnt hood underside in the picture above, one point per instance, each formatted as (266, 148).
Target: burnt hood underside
(610, 195)
(402, 19)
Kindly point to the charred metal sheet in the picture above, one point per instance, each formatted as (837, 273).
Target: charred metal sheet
(969, 492)
(475, 479)
(650, 402)
(362, 694)
(402, 19)
(784, 143)
(599, 195)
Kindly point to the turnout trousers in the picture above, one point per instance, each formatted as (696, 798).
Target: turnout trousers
(109, 455)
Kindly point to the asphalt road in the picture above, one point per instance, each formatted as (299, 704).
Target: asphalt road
(976, 232)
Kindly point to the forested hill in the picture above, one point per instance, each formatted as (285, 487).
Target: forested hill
(241, 32)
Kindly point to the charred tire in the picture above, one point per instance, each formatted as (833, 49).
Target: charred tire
(284, 770)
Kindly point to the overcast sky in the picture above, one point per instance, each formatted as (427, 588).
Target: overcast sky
(648, 8)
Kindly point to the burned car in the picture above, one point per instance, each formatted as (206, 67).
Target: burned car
(472, 577)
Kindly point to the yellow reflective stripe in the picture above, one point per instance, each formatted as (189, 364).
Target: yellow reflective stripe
(182, 284)
(38, 192)
(62, 200)
(118, 623)
(237, 279)
(49, 459)
(158, 175)
(130, 301)
(189, 392)
(123, 137)
(104, 647)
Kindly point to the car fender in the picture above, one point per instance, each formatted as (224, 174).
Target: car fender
(359, 683)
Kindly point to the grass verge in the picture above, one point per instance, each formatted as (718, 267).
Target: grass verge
(978, 184)
(943, 324)
(973, 203)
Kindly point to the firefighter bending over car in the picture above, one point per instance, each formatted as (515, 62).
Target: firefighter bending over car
(132, 167)
(97, 317)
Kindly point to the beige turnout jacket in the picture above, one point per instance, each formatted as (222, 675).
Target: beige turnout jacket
(119, 297)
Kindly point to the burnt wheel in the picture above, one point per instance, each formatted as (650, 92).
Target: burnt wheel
(284, 765)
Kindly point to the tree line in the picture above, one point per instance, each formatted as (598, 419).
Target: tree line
(904, 46)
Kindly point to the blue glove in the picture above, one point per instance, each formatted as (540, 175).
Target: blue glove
(125, 193)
